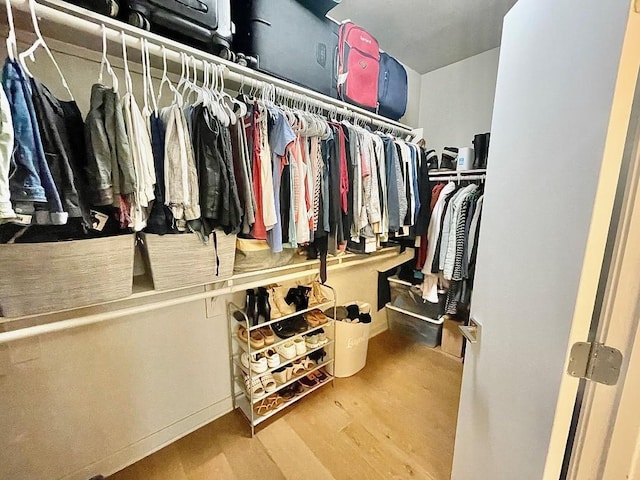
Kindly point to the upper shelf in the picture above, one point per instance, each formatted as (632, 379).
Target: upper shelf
(62, 22)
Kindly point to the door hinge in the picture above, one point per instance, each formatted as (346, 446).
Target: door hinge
(595, 362)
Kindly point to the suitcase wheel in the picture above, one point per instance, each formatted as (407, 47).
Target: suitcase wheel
(138, 20)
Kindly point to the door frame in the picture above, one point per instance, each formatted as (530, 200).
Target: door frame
(594, 261)
(599, 411)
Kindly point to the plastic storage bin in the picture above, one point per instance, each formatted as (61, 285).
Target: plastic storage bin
(417, 327)
(406, 296)
(351, 345)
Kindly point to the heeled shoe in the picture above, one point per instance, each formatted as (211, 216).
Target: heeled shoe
(279, 303)
(263, 307)
(318, 294)
(251, 307)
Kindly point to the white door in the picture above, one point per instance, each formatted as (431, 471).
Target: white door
(565, 86)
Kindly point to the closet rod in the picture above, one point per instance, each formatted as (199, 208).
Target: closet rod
(456, 178)
(91, 24)
(63, 325)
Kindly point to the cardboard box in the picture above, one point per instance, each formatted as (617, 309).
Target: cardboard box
(452, 339)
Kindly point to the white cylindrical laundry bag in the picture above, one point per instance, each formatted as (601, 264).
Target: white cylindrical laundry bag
(351, 345)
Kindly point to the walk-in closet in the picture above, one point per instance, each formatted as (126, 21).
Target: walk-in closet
(329, 239)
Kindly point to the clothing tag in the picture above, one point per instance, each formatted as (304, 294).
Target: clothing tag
(22, 219)
(98, 220)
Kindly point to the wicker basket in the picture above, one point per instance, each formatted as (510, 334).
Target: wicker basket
(46, 277)
(177, 261)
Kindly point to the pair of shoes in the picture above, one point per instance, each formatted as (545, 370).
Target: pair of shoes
(280, 307)
(318, 356)
(258, 386)
(291, 392)
(303, 365)
(299, 297)
(316, 339)
(268, 404)
(287, 350)
(257, 338)
(258, 308)
(315, 318)
(283, 374)
(289, 327)
(258, 363)
(316, 296)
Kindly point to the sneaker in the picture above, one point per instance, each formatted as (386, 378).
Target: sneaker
(273, 359)
(301, 348)
(287, 350)
(312, 341)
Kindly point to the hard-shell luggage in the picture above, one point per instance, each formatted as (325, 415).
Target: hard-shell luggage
(358, 67)
(205, 22)
(320, 7)
(392, 88)
(289, 41)
(110, 8)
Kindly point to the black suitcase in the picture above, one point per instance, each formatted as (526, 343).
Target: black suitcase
(289, 41)
(207, 22)
(110, 8)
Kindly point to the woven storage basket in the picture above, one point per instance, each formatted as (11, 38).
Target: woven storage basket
(45, 277)
(177, 261)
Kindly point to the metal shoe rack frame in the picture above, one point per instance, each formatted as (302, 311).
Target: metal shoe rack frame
(245, 400)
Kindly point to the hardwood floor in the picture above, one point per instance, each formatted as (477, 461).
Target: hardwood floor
(394, 419)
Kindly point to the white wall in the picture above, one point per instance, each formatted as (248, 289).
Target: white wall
(412, 116)
(457, 101)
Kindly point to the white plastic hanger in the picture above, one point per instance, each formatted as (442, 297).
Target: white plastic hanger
(152, 92)
(104, 63)
(165, 79)
(146, 109)
(127, 75)
(12, 46)
(40, 42)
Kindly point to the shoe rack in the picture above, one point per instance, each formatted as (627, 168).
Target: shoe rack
(259, 406)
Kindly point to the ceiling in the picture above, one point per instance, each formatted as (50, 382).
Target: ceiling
(429, 34)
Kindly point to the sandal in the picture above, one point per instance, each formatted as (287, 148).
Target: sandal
(311, 319)
(287, 350)
(262, 407)
(309, 382)
(269, 383)
(318, 294)
(308, 364)
(275, 401)
(298, 368)
(320, 376)
(254, 386)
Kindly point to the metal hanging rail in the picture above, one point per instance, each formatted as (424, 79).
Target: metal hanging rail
(72, 17)
(457, 176)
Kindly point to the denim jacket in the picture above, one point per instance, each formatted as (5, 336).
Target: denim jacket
(32, 180)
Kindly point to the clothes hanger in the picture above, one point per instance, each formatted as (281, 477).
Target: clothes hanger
(146, 110)
(152, 92)
(166, 81)
(12, 45)
(104, 63)
(40, 42)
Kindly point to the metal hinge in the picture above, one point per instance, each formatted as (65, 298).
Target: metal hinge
(595, 362)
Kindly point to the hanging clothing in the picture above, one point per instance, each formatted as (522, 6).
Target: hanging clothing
(6, 151)
(110, 167)
(57, 120)
(32, 182)
(142, 156)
